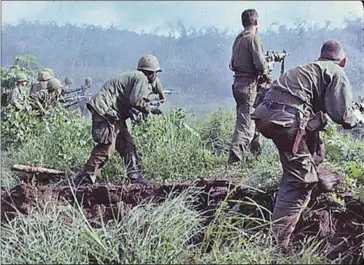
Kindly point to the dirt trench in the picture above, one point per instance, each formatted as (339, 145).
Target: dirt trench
(341, 227)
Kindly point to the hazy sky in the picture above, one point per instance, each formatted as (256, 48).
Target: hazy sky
(151, 15)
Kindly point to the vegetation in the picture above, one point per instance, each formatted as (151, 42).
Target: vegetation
(175, 146)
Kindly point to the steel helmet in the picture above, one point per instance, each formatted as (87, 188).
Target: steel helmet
(54, 84)
(88, 80)
(20, 77)
(50, 71)
(149, 62)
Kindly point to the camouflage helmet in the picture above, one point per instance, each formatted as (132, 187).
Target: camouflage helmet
(149, 62)
(20, 77)
(68, 80)
(54, 84)
(88, 80)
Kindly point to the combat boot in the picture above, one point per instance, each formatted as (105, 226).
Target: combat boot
(81, 178)
(137, 179)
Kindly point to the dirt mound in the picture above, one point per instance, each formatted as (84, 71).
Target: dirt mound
(341, 226)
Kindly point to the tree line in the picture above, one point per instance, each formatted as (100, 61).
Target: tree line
(195, 63)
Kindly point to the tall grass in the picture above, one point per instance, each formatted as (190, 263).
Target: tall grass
(172, 147)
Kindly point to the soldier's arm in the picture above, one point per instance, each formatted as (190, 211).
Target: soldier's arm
(139, 95)
(159, 90)
(16, 99)
(339, 100)
(261, 65)
(36, 99)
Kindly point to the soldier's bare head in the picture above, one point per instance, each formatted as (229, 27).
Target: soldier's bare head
(249, 18)
(333, 51)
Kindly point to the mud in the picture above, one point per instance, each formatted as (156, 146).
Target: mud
(341, 227)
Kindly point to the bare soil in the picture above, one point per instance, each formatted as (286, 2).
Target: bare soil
(341, 226)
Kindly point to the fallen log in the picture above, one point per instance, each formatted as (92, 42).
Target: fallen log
(39, 170)
(40, 174)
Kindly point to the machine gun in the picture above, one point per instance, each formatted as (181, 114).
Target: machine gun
(276, 57)
(70, 101)
(71, 91)
(270, 57)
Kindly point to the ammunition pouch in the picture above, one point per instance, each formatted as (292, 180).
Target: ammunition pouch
(317, 122)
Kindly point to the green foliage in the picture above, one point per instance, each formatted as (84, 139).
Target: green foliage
(60, 139)
(22, 64)
(147, 234)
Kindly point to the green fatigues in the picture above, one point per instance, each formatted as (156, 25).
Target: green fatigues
(310, 88)
(18, 98)
(110, 109)
(45, 98)
(157, 89)
(248, 63)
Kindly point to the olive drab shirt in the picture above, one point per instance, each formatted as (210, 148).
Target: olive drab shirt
(117, 96)
(247, 56)
(319, 86)
(46, 98)
(156, 89)
(18, 98)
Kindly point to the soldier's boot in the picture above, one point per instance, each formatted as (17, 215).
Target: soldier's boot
(137, 179)
(81, 178)
(284, 229)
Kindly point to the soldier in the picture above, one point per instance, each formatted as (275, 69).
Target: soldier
(46, 99)
(44, 75)
(249, 64)
(110, 108)
(68, 82)
(294, 105)
(86, 86)
(18, 95)
(157, 89)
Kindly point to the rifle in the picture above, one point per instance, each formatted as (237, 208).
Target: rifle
(70, 101)
(72, 90)
(170, 91)
(277, 57)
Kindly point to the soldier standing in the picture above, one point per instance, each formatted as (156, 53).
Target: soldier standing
(291, 114)
(248, 63)
(110, 108)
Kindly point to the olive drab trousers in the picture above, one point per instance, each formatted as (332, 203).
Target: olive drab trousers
(109, 137)
(299, 172)
(244, 92)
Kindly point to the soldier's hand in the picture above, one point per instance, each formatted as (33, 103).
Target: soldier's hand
(156, 111)
(270, 66)
(268, 79)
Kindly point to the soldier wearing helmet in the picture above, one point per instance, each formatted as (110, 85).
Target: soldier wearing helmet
(88, 82)
(44, 75)
(46, 99)
(85, 92)
(68, 83)
(18, 95)
(117, 99)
